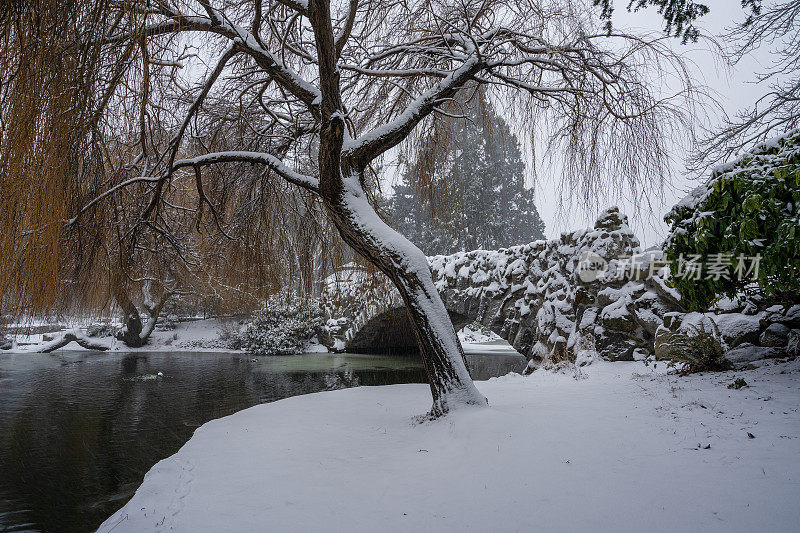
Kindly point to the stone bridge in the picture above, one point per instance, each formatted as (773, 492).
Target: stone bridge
(590, 291)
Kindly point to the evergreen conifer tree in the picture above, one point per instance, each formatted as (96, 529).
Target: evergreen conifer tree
(476, 198)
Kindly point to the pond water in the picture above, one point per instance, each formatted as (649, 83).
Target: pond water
(78, 430)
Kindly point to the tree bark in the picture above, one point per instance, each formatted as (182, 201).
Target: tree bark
(130, 334)
(135, 334)
(408, 268)
(72, 336)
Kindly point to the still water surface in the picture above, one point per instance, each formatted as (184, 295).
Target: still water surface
(78, 430)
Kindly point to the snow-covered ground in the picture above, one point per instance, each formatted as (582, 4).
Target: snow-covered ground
(476, 334)
(619, 447)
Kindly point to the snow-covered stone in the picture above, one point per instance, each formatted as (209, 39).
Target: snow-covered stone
(776, 335)
(538, 296)
(748, 353)
(738, 328)
(792, 317)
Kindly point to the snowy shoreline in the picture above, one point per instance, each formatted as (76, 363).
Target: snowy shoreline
(621, 448)
(207, 335)
(194, 335)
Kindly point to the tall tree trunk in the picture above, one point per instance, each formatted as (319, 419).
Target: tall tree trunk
(398, 258)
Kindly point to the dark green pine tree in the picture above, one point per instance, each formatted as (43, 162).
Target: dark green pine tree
(476, 195)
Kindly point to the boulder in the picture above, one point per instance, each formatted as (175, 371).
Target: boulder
(792, 317)
(672, 320)
(616, 345)
(793, 343)
(618, 317)
(776, 335)
(747, 353)
(677, 331)
(738, 328)
(665, 339)
(648, 319)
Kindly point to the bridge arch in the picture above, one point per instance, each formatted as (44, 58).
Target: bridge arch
(390, 331)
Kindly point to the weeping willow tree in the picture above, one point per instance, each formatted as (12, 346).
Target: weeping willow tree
(79, 117)
(204, 132)
(49, 137)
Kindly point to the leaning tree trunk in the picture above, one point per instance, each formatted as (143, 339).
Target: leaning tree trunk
(340, 186)
(72, 336)
(408, 268)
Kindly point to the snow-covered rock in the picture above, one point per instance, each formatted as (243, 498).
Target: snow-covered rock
(548, 299)
(748, 353)
(792, 317)
(738, 328)
(775, 335)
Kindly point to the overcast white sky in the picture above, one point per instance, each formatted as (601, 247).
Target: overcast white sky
(734, 90)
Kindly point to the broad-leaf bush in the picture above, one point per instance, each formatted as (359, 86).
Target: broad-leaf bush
(284, 326)
(750, 207)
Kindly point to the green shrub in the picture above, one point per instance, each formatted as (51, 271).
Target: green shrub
(699, 350)
(738, 384)
(749, 207)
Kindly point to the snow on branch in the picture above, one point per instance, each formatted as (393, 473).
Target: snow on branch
(276, 165)
(243, 39)
(372, 144)
(76, 336)
(301, 6)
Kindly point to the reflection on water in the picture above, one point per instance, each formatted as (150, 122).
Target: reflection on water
(78, 431)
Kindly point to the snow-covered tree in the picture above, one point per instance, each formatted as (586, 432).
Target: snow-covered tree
(284, 326)
(474, 196)
(743, 227)
(339, 84)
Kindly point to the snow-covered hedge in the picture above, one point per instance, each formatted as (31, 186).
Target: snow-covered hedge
(749, 207)
(284, 326)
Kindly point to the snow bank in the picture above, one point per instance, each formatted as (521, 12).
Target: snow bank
(619, 451)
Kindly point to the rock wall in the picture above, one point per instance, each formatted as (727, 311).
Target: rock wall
(557, 299)
(589, 293)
